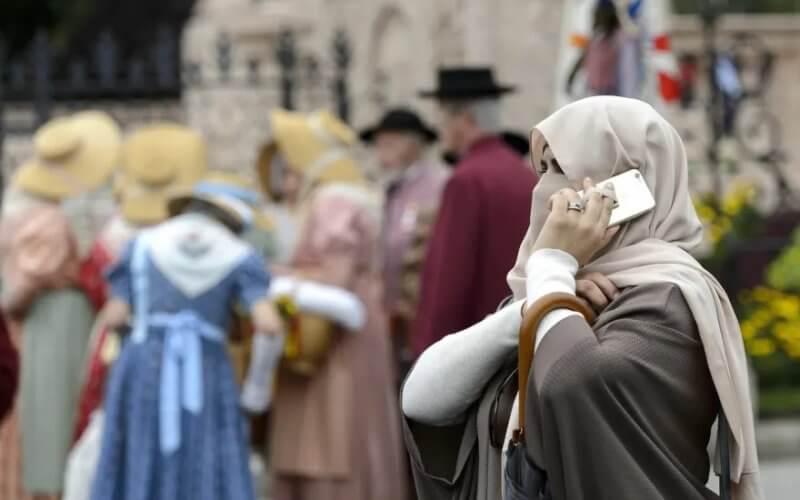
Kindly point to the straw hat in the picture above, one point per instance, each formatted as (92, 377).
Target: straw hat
(315, 145)
(73, 154)
(157, 162)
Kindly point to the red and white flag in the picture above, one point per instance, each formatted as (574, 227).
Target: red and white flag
(648, 68)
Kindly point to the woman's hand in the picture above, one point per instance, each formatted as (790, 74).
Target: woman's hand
(596, 290)
(580, 232)
(115, 314)
(266, 318)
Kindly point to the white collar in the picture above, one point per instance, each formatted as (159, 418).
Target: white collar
(195, 252)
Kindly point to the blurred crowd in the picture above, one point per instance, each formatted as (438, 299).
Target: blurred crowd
(168, 324)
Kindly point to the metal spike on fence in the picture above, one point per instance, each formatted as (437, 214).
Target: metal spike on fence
(342, 59)
(41, 76)
(165, 55)
(286, 54)
(136, 70)
(106, 59)
(77, 74)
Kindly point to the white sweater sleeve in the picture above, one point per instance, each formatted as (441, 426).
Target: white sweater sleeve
(450, 374)
(550, 271)
(334, 303)
(453, 372)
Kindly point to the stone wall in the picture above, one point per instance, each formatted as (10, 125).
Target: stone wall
(397, 46)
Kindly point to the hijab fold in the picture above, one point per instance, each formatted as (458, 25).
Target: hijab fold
(600, 137)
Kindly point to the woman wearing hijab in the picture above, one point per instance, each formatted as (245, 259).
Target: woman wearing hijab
(621, 408)
(335, 432)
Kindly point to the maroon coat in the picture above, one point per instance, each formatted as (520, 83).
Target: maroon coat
(483, 217)
(9, 365)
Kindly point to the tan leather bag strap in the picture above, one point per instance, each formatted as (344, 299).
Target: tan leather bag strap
(527, 339)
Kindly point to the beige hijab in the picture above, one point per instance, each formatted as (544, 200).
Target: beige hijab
(600, 137)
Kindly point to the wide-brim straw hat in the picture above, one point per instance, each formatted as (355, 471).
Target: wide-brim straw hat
(158, 162)
(73, 155)
(317, 145)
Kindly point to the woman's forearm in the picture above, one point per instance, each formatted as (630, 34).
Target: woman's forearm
(451, 374)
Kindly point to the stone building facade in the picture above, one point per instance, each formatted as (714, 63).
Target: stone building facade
(396, 48)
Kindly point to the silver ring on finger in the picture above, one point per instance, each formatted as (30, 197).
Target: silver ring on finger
(576, 206)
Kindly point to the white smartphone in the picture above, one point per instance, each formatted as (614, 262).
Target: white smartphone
(633, 197)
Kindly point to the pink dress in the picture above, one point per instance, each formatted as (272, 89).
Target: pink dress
(336, 435)
(40, 262)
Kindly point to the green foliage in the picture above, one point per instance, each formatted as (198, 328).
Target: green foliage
(779, 401)
(784, 272)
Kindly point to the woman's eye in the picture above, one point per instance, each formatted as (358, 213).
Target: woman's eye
(542, 167)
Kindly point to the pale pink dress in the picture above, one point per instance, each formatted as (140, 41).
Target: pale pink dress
(336, 435)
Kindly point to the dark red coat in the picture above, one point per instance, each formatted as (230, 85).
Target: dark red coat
(483, 217)
(9, 370)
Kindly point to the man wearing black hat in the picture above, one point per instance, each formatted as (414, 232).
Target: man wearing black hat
(484, 211)
(413, 189)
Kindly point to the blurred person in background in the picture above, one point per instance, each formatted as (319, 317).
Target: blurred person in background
(413, 187)
(156, 161)
(335, 432)
(9, 368)
(483, 213)
(173, 425)
(50, 220)
(516, 141)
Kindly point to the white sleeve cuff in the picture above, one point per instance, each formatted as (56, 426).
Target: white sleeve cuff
(550, 271)
(334, 303)
(260, 381)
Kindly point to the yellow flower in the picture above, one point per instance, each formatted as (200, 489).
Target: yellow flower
(787, 307)
(748, 330)
(739, 196)
(704, 211)
(725, 225)
(715, 233)
(762, 294)
(762, 347)
(793, 352)
(785, 331)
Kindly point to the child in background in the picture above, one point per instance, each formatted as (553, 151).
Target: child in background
(173, 428)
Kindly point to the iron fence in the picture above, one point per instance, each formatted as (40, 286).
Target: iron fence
(39, 82)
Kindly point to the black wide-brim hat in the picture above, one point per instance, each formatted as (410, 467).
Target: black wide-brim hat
(400, 120)
(466, 83)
